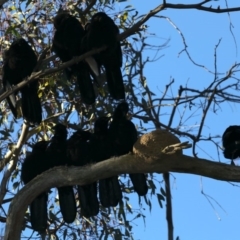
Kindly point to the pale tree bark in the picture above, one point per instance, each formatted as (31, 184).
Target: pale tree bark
(62, 176)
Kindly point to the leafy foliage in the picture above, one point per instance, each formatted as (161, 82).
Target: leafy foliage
(61, 102)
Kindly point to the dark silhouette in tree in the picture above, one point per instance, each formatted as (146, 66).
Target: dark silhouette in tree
(56, 155)
(110, 193)
(67, 44)
(102, 31)
(79, 153)
(231, 142)
(33, 165)
(123, 135)
(19, 62)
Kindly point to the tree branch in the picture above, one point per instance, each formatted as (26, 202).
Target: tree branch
(62, 176)
(198, 6)
(16, 149)
(12, 155)
(144, 19)
(37, 75)
(169, 217)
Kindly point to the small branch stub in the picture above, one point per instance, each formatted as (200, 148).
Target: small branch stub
(172, 149)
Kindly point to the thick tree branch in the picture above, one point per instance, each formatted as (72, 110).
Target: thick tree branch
(62, 176)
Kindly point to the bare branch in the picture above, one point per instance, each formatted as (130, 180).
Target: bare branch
(198, 6)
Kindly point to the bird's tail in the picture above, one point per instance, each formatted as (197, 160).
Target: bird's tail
(110, 192)
(11, 99)
(38, 213)
(12, 104)
(31, 105)
(115, 81)
(85, 84)
(93, 65)
(139, 183)
(88, 200)
(67, 203)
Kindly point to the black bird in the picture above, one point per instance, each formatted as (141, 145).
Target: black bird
(67, 44)
(33, 165)
(79, 152)
(102, 31)
(56, 155)
(110, 193)
(231, 142)
(19, 62)
(123, 135)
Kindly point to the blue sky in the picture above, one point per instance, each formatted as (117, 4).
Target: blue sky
(194, 216)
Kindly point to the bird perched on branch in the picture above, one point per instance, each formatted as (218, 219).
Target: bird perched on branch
(102, 31)
(67, 44)
(79, 153)
(33, 165)
(231, 142)
(56, 155)
(19, 62)
(123, 135)
(110, 192)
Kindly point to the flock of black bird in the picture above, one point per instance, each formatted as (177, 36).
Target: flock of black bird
(115, 139)
(109, 139)
(19, 62)
(70, 40)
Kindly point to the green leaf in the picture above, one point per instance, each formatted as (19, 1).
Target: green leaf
(144, 103)
(152, 186)
(124, 17)
(129, 207)
(160, 199)
(74, 236)
(128, 6)
(15, 185)
(121, 211)
(163, 191)
(65, 233)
